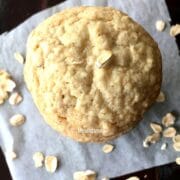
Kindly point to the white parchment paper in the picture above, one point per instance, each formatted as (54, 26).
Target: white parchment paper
(36, 135)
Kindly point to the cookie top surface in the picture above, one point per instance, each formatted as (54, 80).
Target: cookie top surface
(92, 72)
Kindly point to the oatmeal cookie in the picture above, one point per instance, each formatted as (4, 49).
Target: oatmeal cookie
(92, 72)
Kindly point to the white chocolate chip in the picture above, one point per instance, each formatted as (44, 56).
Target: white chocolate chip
(161, 97)
(156, 127)
(38, 158)
(170, 132)
(176, 138)
(175, 30)
(103, 59)
(176, 146)
(168, 120)
(178, 160)
(51, 163)
(84, 175)
(15, 98)
(17, 120)
(19, 57)
(164, 146)
(107, 148)
(160, 25)
(11, 155)
(133, 178)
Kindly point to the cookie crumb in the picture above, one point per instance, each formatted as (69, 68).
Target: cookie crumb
(161, 97)
(51, 163)
(160, 25)
(170, 132)
(164, 146)
(168, 120)
(17, 120)
(19, 57)
(38, 158)
(156, 127)
(11, 155)
(107, 148)
(178, 160)
(84, 175)
(15, 98)
(175, 30)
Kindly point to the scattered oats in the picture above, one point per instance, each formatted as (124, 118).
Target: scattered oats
(38, 158)
(156, 127)
(133, 178)
(168, 120)
(51, 163)
(11, 155)
(169, 132)
(178, 160)
(175, 30)
(107, 148)
(176, 146)
(6, 85)
(176, 138)
(161, 97)
(164, 146)
(84, 175)
(17, 120)
(105, 178)
(19, 57)
(103, 59)
(160, 25)
(15, 98)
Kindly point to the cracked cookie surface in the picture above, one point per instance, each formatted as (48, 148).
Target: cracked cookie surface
(75, 96)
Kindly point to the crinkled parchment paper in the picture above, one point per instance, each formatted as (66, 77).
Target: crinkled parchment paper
(35, 135)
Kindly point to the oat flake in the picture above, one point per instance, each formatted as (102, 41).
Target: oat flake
(156, 127)
(178, 160)
(17, 120)
(38, 158)
(19, 57)
(107, 148)
(51, 163)
(169, 132)
(15, 98)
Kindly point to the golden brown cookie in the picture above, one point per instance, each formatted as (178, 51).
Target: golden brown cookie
(92, 72)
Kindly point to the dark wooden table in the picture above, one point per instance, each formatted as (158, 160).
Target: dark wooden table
(13, 12)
